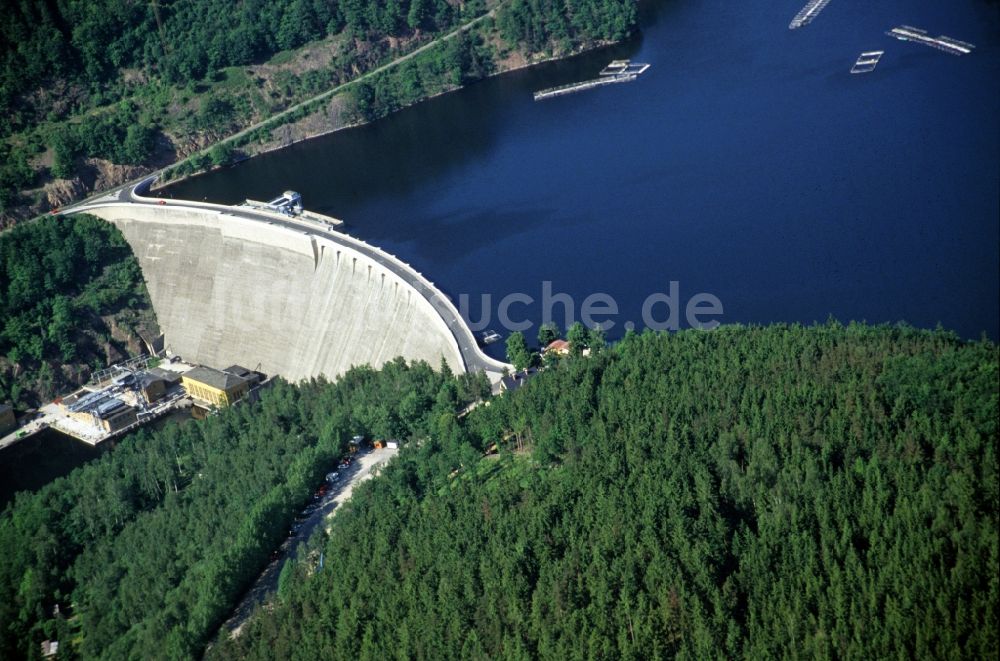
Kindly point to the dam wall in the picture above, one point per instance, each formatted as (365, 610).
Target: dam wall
(231, 290)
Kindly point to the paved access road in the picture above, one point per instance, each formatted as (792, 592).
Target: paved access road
(361, 468)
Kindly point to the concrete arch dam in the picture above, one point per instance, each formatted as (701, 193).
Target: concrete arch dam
(239, 285)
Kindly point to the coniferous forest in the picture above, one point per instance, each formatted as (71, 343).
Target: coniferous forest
(146, 550)
(747, 492)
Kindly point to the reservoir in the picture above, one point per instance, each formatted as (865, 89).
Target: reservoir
(747, 163)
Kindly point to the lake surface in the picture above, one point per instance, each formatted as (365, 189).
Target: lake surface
(747, 163)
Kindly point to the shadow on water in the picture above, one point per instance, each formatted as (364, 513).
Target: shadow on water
(30, 464)
(396, 156)
(33, 462)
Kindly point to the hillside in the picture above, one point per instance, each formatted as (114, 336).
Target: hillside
(746, 492)
(72, 299)
(759, 493)
(144, 552)
(96, 92)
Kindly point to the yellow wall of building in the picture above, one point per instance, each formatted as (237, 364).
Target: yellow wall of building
(212, 395)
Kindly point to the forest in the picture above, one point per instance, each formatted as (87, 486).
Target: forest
(146, 550)
(93, 42)
(752, 492)
(456, 62)
(102, 79)
(771, 492)
(61, 281)
(539, 24)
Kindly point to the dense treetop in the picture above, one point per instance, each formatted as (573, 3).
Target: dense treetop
(147, 549)
(746, 492)
(185, 39)
(757, 493)
(92, 41)
(59, 277)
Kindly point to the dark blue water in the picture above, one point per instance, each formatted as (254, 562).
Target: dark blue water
(747, 163)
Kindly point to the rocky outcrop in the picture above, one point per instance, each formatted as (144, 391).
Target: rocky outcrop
(332, 117)
(61, 192)
(107, 175)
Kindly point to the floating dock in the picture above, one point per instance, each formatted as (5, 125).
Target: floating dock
(867, 61)
(942, 43)
(618, 71)
(808, 13)
(624, 68)
(579, 87)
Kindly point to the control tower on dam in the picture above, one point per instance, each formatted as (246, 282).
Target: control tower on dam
(233, 285)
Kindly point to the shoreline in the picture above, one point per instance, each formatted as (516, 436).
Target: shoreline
(144, 171)
(159, 185)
